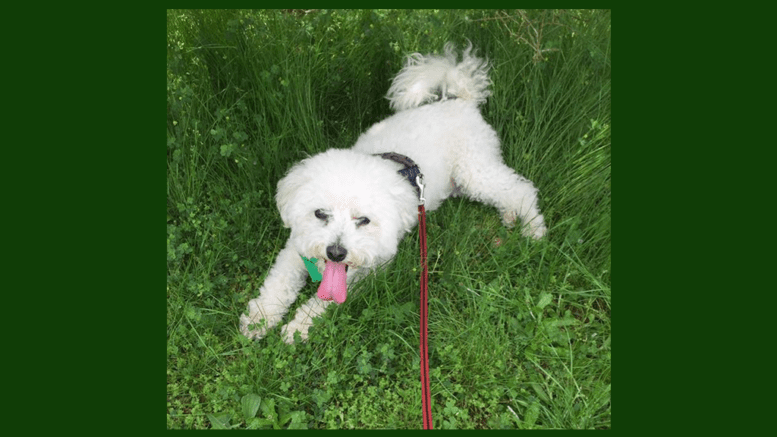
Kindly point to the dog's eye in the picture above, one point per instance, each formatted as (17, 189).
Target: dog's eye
(362, 221)
(320, 215)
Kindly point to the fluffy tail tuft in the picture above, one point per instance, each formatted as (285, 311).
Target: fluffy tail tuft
(432, 77)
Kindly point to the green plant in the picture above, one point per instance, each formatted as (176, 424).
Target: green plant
(270, 417)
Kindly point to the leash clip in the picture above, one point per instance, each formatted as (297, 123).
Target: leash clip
(419, 180)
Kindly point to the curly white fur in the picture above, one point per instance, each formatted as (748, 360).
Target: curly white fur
(326, 198)
(423, 76)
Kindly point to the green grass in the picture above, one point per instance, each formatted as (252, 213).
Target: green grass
(519, 330)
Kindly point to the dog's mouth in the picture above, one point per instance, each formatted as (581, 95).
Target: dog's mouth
(333, 283)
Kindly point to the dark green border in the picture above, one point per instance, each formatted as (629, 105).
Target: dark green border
(91, 170)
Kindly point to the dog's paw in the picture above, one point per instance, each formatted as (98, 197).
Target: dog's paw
(288, 330)
(253, 328)
(261, 317)
(535, 228)
(535, 232)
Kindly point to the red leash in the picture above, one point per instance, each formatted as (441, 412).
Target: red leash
(426, 400)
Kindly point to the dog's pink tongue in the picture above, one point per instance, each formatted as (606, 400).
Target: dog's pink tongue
(333, 284)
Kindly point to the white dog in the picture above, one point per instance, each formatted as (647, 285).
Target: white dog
(349, 208)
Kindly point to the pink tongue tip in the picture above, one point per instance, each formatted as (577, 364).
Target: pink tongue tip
(333, 283)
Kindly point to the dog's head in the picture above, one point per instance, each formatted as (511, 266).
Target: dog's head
(346, 207)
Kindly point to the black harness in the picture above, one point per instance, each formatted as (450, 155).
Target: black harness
(411, 171)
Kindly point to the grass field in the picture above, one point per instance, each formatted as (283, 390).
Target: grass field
(519, 331)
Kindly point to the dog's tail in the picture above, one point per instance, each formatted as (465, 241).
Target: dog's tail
(432, 77)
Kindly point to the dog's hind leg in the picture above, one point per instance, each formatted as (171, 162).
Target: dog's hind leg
(484, 177)
(280, 289)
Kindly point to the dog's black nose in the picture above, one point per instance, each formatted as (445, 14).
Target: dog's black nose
(336, 252)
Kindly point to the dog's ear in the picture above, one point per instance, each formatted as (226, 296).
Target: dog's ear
(288, 188)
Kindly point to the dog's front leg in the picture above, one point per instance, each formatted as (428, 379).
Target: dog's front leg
(314, 307)
(303, 319)
(280, 289)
